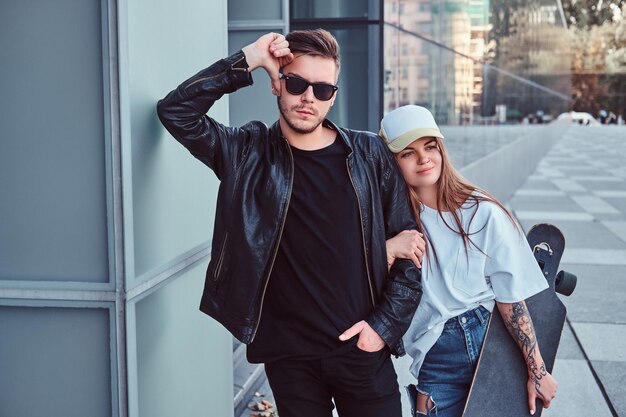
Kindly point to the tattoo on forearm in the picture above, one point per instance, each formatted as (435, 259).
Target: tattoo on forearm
(520, 325)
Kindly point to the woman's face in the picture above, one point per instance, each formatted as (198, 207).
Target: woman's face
(420, 163)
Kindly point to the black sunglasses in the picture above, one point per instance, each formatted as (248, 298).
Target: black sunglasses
(296, 86)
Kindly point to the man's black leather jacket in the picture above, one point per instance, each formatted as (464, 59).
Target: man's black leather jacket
(255, 167)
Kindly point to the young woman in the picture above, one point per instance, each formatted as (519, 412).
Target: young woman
(476, 258)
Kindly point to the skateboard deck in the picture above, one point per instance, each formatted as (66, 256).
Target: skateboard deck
(499, 385)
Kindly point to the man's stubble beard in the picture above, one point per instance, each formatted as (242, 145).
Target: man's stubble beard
(284, 111)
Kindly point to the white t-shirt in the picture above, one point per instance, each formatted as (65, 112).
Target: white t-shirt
(462, 280)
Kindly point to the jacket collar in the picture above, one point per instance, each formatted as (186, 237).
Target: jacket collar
(275, 132)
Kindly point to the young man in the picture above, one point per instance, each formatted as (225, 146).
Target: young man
(298, 265)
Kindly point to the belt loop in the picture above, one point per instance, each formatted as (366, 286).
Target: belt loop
(479, 314)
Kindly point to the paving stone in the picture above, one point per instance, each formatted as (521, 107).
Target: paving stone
(618, 203)
(603, 185)
(568, 185)
(608, 217)
(602, 341)
(613, 378)
(616, 194)
(618, 228)
(594, 178)
(538, 184)
(580, 234)
(578, 394)
(545, 216)
(550, 172)
(614, 162)
(599, 295)
(617, 172)
(600, 164)
(592, 204)
(554, 158)
(547, 203)
(568, 347)
(573, 169)
(539, 193)
(594, 256)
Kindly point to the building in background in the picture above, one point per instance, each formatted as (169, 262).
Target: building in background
(106, 221)
(475, 54)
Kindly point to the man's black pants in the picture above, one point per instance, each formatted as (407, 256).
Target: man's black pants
(362, 384)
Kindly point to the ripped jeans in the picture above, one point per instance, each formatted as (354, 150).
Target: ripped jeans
(448, 368)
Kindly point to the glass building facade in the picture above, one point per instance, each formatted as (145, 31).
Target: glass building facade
(477, 61)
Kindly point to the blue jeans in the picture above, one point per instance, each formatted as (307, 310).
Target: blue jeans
(448, 368)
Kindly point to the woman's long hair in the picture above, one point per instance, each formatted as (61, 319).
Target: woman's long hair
(453, 191)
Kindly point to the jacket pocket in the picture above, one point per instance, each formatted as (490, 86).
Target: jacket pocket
(220, 260)
(469, 275)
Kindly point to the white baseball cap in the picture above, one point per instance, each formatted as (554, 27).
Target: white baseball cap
(406, 124)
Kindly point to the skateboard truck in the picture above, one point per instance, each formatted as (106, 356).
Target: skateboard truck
(565, 282)
(543, 245)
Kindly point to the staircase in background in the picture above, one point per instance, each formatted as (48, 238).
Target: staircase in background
(247, 377)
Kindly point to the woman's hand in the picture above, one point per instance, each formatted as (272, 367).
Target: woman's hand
(408, 244)
(540, 385)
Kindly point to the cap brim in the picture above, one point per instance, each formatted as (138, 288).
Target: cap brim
(404, 140)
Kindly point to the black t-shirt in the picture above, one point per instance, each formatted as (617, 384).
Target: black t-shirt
(318, 287)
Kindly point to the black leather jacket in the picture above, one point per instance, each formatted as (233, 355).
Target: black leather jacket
(255, 167)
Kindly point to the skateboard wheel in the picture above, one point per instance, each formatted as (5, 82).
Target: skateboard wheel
(565, 283)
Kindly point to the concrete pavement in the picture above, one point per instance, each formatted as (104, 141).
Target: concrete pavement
(580, 186)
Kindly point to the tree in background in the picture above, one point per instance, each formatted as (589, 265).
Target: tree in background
(584, 14)
(598, 33)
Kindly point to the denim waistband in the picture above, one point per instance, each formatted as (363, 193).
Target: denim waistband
(478, 315)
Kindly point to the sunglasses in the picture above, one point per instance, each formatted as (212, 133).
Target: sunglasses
(296, 86)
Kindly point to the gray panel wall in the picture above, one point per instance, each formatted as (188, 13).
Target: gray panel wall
(179, 360)
(172, 193)
(52, 169)
(184, 358)
(55, 362)
(74, 136)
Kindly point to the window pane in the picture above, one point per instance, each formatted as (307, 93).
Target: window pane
(307, 9)
(255, 102)
(356, 106)
(255, 10)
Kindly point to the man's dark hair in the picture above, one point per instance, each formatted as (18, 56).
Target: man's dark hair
(316, 42)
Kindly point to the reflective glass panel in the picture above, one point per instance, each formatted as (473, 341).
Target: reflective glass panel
(307, 9)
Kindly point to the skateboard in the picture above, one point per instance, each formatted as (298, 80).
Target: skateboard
(499, 385)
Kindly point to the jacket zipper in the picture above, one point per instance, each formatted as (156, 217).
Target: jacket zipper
(280, 235)
(213, 76)
(218, 268)
(367, 267)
